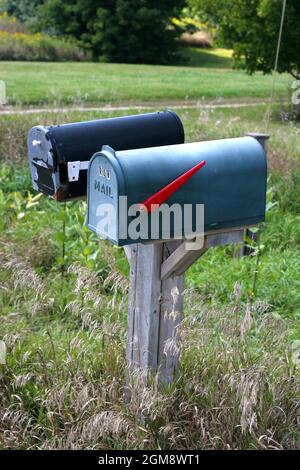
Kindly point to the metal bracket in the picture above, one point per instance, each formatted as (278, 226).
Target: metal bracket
(74, 168)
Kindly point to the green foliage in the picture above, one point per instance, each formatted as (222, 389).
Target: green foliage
(12, 179)
(15, 206)
(251, 28)
(37, 47)
(288, 192)
(10, 24)
(279, 262)
(118, 30)
(72, 240)
(24, 10)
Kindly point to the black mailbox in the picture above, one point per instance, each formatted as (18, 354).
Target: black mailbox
(59, 155)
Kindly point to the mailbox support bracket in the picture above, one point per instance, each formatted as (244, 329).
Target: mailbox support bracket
(183, 257)
(74, 169)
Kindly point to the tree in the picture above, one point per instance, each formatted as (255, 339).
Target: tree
(24, 10)
(116, 30)
(251, 28)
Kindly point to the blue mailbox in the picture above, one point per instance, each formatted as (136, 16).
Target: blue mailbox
(226, 177)
(59, 155)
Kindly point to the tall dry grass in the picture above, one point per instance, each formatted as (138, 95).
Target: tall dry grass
(237, 388)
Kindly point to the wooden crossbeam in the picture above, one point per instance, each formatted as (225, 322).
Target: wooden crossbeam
(183, 257)
(127, 249)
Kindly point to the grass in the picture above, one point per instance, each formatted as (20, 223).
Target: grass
(63, 318)
(79, 83)
(215, 57)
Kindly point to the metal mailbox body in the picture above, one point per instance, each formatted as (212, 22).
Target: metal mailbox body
(231, 185)
(50, 149)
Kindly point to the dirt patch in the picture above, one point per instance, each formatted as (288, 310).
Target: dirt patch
(203, 104)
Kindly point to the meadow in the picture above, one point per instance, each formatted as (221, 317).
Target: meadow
(79, 83)
(63, 306)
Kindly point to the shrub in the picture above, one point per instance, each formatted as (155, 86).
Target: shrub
(23, 10)
(23, 46)
(11, 24)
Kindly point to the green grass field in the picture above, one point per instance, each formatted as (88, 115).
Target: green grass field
(215, 57)
(80, 83)
(63, 318)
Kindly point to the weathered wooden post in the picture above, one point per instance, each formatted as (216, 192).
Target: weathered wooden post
(155, 311)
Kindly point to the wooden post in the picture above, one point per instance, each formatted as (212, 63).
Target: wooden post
(155, 311)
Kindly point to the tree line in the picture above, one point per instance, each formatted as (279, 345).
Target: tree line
(141, 31)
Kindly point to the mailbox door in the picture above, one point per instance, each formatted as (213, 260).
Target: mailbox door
(103, 197)
(43, 164)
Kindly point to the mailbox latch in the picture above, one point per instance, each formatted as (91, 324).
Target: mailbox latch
(74, 168)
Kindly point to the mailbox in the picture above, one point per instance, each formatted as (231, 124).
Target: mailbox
(227, 176)
(59, 155)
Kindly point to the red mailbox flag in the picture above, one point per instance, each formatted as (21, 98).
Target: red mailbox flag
(154, 201)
